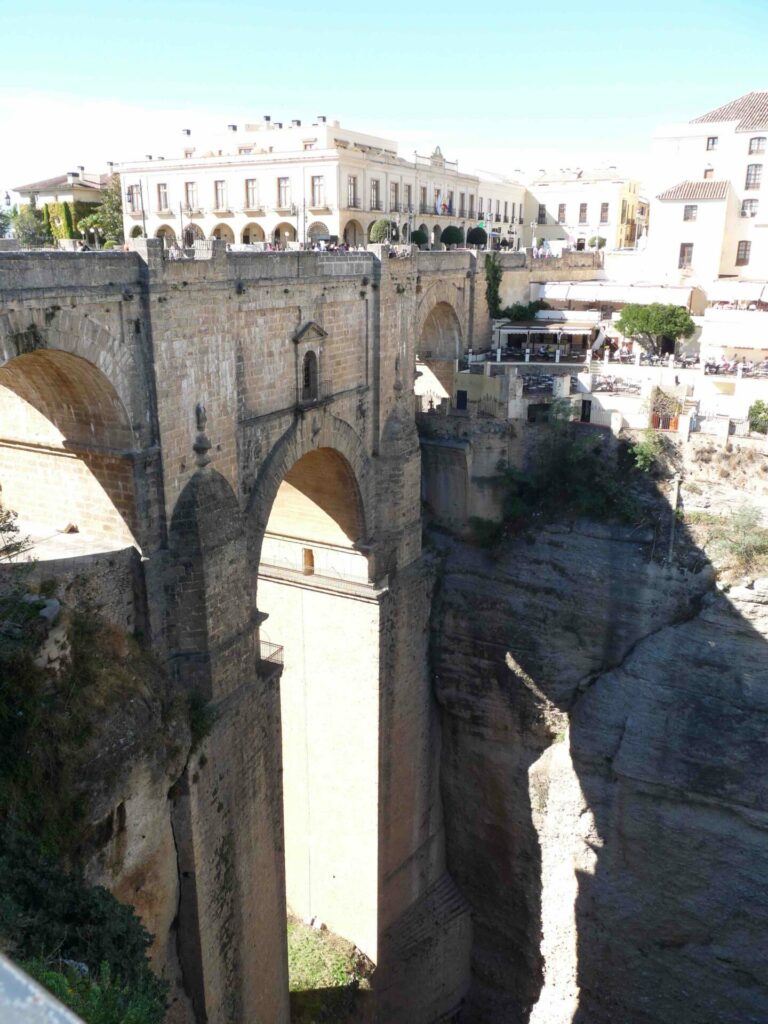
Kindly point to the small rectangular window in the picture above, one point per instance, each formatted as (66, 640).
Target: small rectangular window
(582, 213)
(162, 197)
(220, 194)
(134, 198)
(623, 211)
(542, 219)
(251, 194)
(351, 191)
(708, 173)
(690, 212)
(757, 144)
(603, 213)
(561, 213)
(283, 193)
(686, 255)
(712, 142)
(749, 208)
(375, 195)
(506, 211)
(742, 254)
(190, 194)
(471, 205)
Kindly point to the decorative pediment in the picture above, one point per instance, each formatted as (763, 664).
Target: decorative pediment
(310, 330)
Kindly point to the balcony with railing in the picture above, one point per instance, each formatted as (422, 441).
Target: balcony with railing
(314, 393)
(354, 203)
(395, 207)
(376, 203)
(270, 660)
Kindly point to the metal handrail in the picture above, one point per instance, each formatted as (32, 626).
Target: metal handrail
(319, 392)
(271, 653)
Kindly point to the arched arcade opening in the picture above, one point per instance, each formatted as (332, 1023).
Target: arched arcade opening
(313, 586)
(66, 447)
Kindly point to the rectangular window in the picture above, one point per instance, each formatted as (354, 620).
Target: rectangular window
(190, 194)
(251, 194)
(498, 207)
(623, 211)
(309, 145)
(749, 208)
(220, 194)
(754, 175)
(423, 198)
(513, 212)
(394, 197)
(506, 212)
(708, 173)
(375, 195)
(712, 142)
(582, 213)
(480, 205)
(742, 254)
(542, 218)
(318, 190)
(471, 205)
(351, 191)
(561, 213)
(134, 198)
(450, 203)
(283, 193)
(408, 197)
(757, 144)
(162, 197)
(686, 255)
(462, 204)
(603, 213)
(690, 212)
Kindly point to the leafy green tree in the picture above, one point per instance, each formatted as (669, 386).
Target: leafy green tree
(107, 218)
(596, 240)
(655, 322)
(419, 237)
(69, 226)
(381, 230)
(477, 236)
(28, 227)
(452, 235)
(758, 416)
(5, 222)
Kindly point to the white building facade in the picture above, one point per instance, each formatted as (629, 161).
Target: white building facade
(575, 207)
(295, 183)
(710, 214)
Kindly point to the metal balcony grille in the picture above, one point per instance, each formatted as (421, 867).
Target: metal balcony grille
(312, 394)
(270, 653)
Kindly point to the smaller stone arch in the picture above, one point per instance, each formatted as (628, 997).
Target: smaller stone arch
(284, 233)
(167, 234)
(318, 232)
(136, 232)
(440, 334)
(252, 233)
(224, 233)
(425, 229)
(354, 233)
(192, 233)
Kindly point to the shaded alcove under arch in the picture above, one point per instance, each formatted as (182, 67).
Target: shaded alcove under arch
(66, 455)
(313, 587)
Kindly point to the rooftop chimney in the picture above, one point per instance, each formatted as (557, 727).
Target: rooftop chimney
(278, 124)
(232, 127)
(148, 156)
(267, 118)
(186, 131)
(322, 118)
(296, 122)
(81, 168)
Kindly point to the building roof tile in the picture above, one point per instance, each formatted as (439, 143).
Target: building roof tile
(696, 190)
(60, 181)
(751, 112)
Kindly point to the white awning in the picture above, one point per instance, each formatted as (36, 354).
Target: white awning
(547, 327)
(611, 291)
(747, 335)
(737, 291)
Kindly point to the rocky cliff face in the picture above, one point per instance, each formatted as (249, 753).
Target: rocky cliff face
(604, 744)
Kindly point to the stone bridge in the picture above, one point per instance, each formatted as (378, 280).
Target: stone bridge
(244, 424)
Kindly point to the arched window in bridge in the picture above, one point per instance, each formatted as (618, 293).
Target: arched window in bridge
(309, 378)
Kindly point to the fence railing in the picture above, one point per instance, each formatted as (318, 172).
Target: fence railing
(270, 653)
(320, 391)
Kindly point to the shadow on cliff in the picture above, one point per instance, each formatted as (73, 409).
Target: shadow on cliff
(605, 709)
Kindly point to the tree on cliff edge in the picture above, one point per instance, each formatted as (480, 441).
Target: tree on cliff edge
(655, 322)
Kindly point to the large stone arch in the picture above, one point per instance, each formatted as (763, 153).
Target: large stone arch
(314, 431)
(82, 333)
(66, 455)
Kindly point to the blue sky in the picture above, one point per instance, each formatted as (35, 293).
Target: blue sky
(500, 84)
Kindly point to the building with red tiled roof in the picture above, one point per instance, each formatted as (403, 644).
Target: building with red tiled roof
(710, 211)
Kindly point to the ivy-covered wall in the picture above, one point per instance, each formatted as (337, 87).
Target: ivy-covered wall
(59, 220)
